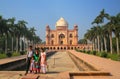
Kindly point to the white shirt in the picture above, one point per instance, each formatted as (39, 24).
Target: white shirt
(30, 54)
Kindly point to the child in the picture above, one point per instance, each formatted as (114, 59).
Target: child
(32, 65)
(37, 58)
(43, 61)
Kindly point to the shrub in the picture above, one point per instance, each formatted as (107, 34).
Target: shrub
(94, 52)
(114, 57)
(9, 54)
(104, 54)
(22, 52)
(88, 52)
(1, 51)
(80, 51)
(84, 51)
(16, 54)
(3, 55)
(98, 53)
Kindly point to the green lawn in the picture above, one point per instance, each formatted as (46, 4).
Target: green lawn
(3, 55)
(103, 54)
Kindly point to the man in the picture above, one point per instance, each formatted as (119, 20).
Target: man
(28, 58)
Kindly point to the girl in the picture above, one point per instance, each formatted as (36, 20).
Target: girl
(43, 61)
(32, 65)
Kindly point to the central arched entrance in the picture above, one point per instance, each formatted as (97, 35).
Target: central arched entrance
(61, 39)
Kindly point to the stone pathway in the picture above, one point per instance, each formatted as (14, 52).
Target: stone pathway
(11, 74)
(59, 62)
(102, 64)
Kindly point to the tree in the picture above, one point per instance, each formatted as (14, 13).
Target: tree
(105, 35)
(92, 36)
(18, 30)
(99, 20)
(115, 20)
(12, 28)
(32, 30)
(23, 29)
(4, 30)
(82, 41)
(109, 27)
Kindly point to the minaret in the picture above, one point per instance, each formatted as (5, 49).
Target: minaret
(47, 35)
(75, 34)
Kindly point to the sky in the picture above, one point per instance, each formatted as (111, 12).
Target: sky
(39, 13)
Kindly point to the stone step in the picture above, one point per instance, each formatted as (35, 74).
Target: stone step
(31, 76)
(90, 73)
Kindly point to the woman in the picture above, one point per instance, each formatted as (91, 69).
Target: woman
(37, 60)
(43, 61)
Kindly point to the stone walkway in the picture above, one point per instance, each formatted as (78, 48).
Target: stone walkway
(60, 65)
(102, 64)
(59, 62)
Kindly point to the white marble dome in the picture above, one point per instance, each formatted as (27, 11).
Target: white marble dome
(61, 22)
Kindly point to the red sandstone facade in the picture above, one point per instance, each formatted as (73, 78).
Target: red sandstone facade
(63, 38)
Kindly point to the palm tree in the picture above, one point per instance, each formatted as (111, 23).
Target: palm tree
(12, 28)
(82, 41)
(99, 20)
(92, 36)
(105, 33)
(19, 30)
(115, 20)
(17, 33)
(37, 39)
(2, 24)
(4, 30)
(109, 27)
(32, 30)
(98, 33)
(22, 27)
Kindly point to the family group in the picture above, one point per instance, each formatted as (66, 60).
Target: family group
(36, 61)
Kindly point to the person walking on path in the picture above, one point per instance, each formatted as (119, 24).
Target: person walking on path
(37, 60)
(43, 61)
(28, 59)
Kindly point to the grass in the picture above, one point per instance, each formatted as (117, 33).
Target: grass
(114, 57)
(3, 55)
(103, 54)
(15, 54)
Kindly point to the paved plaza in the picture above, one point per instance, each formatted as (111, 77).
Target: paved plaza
(60, 65)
